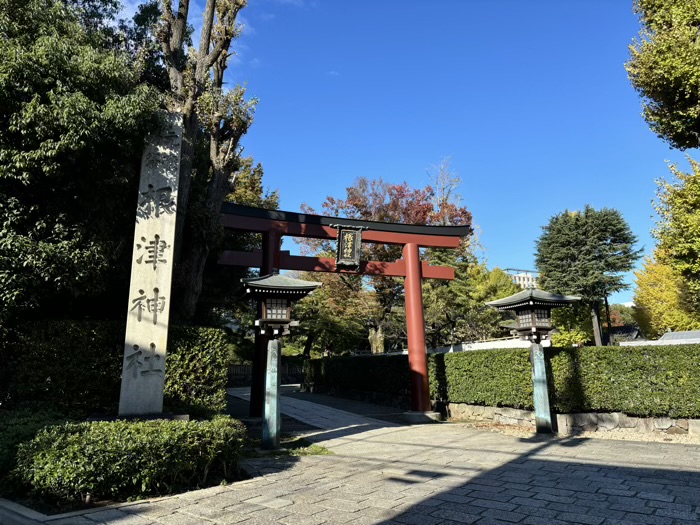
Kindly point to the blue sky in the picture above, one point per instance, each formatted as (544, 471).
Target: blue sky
(529, 99)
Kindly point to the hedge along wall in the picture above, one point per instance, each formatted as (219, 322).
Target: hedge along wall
(484, 377)
(77, 365)
(639, 381)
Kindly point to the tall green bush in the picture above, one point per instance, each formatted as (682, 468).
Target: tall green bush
(196, 370)
(126, 459)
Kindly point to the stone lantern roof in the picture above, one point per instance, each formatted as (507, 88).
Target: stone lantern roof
(534, 297)
(276, 284)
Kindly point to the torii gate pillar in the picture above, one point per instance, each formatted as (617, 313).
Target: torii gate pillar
(415, 326)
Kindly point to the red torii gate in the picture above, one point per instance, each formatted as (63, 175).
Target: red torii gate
(273, 225)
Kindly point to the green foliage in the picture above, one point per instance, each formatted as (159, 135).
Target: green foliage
(127, 459)
(17, 426)
(485, 377)
(69, 364)
(197, 370)
(662, 301)
(493, 376)
(334, 317)
(455, 311)
(574, 325)
(665, 69)
(678, 229)
(568, 338)
(73, 116)
(77, 365)
(622, 315)
(639, 381)
(585, 253)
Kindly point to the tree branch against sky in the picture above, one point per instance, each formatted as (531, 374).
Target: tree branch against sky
(213, 115)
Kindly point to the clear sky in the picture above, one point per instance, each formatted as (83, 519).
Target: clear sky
(529, 99)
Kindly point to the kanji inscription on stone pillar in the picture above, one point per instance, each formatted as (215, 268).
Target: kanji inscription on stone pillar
(148, 311)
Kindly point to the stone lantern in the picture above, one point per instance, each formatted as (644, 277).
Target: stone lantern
(533, 311)
(276, 293)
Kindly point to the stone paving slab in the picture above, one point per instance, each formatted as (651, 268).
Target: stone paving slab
(439, 474)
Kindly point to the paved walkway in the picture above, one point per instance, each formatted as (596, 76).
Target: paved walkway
(439, 474)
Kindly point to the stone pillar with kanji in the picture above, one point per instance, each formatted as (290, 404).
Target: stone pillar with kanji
(148, 308)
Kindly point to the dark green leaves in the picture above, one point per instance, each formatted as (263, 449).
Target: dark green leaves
(584, 253)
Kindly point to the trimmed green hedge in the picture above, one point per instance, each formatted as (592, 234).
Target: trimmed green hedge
(77, 365)
(639, 381)
(68, 364)
(484, 377)
(127, 459)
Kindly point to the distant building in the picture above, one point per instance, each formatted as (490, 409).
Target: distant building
(523, 278)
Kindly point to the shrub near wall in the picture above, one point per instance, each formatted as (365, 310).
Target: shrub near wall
(77, 365)
(497, 377)
(485, 377)
(127, 459)
(639, 381)
(196, 370)
(68, 364)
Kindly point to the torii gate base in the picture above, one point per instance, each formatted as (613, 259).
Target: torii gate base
(275, 224)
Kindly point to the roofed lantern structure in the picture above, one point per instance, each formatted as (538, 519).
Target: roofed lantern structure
(277, 292)
(533, 309)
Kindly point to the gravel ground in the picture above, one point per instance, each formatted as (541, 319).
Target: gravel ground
(617, 434)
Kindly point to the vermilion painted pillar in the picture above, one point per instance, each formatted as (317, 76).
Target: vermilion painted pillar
(415, 326)
(271, 245)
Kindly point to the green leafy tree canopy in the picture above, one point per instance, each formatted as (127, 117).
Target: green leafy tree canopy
(73, 115)
(665, 69)
(585, 253)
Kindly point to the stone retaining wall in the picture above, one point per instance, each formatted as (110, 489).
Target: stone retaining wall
(500, 415)
(573, 423)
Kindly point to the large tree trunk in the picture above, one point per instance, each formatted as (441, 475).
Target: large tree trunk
(309, 343)
(608, 335)
(595, 319)
(218, 29)
(376, 339)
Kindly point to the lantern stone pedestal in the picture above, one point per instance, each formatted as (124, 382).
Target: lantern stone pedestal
(271, 422)
(540, 388)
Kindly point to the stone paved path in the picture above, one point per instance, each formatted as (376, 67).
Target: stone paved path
(440, 474)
